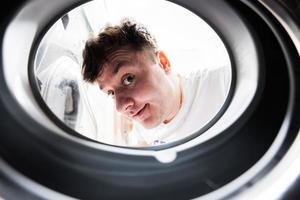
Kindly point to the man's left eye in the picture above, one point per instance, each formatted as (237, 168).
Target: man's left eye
(128, 79)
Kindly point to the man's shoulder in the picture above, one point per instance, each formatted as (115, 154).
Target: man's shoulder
(205, 70)
(203, 74)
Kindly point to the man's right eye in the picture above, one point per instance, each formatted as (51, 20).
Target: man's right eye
(110, 93)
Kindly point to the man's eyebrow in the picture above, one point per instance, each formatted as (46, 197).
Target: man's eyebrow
(119, 65)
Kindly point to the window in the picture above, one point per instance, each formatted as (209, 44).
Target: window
(190, 43)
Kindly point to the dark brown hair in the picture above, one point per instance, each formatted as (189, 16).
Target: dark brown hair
(128, 35)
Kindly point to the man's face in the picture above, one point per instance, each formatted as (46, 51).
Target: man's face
(140, 84)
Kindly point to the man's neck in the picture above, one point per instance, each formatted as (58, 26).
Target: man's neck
(178, 96)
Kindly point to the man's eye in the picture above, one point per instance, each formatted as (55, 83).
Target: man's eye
(110, 93)
(128, 80)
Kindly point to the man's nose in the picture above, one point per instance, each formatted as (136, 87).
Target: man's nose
(124, 104)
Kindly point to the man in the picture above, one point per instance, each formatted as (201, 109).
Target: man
(126, 63)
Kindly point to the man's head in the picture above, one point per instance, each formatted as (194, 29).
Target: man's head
(126, 64)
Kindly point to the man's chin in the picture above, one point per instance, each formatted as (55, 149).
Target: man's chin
(150, 124)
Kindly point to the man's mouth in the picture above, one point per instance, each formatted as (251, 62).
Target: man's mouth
(139, 114)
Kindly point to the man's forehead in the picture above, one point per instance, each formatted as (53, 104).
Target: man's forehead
(127, 53)
(117, 60)
(112, 67)
(120, 54)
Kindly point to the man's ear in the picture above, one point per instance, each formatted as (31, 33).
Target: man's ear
(164, 61)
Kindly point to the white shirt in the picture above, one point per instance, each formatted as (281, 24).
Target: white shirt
(204, 93)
